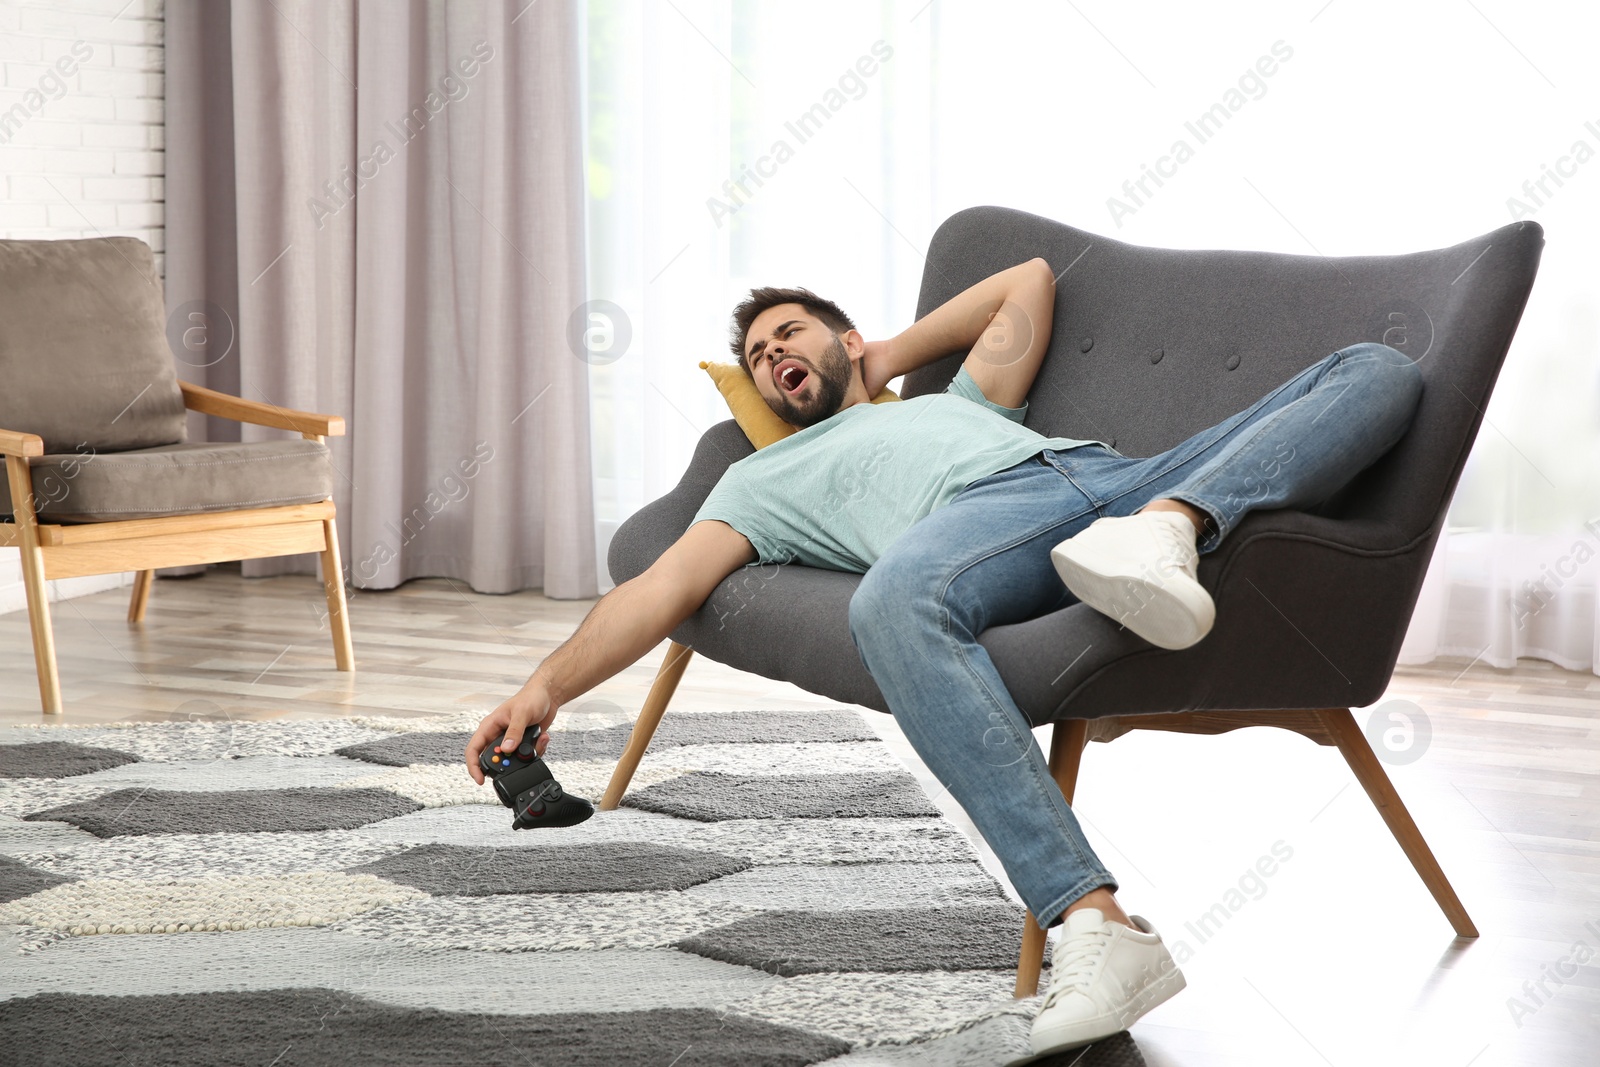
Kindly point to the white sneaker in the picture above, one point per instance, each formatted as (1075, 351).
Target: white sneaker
(1106, 975)
(1142, 571)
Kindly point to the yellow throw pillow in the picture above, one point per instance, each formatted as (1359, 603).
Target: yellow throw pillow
(758, 421)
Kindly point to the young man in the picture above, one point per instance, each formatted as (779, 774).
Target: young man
(960, 518)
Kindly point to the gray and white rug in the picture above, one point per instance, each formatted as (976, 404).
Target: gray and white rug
(776, 889)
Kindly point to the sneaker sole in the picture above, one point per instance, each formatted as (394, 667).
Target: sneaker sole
(1153, 611)
(1049, 1039)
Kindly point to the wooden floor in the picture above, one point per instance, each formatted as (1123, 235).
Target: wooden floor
(1338, 957)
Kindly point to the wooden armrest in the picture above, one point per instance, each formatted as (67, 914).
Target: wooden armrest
(16, 443)
(210, 402)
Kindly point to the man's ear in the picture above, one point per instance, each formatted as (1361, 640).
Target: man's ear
(855, 346)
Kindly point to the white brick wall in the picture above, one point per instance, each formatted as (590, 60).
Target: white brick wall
(81, 147)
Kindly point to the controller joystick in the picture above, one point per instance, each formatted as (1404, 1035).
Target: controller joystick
(526, 786)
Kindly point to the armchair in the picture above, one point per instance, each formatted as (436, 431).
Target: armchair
(100, 478)
(1151, 345)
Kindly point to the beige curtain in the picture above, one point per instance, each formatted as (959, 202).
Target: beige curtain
(408, 255)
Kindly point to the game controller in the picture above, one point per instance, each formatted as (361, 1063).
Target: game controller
(526, 786)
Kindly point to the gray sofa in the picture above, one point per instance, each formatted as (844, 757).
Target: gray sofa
(1151, 345)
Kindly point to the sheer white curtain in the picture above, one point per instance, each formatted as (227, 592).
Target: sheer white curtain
(1349, 128)
(684, 100)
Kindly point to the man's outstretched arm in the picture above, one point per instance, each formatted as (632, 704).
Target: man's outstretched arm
(1003, 323)
(626, 623)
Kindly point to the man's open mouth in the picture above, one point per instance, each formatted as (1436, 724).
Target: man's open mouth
(791, 378)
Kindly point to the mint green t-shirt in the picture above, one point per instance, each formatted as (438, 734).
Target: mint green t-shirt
(836, 495)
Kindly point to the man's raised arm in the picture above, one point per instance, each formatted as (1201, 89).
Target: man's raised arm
(1003, 323)
(626, 623)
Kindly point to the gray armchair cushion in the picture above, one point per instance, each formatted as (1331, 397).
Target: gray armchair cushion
(84, 361)
(1151, 345)
(151, 483)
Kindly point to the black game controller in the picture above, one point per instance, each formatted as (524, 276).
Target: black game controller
(526, 786)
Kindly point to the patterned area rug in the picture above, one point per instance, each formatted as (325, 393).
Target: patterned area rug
(776, 889)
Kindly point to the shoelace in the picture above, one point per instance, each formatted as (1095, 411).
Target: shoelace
(1075, 963)
(1176, 545)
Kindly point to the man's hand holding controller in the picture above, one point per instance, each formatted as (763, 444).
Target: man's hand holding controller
(531, 706)
(507, 749)
(628, 621)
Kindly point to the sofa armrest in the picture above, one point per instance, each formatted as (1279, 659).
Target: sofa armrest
(653, 529)
(17, 443)
(210, 402)
(1311, 613)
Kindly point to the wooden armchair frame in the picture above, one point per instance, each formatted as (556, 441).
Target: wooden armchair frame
(77, 549)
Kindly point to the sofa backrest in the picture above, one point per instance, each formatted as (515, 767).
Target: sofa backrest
(1151, 345)
(84, 359)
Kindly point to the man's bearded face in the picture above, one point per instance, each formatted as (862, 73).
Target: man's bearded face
(805, 393)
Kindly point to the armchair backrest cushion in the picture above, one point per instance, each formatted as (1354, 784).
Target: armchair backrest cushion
(1152, 345)
(84, 359)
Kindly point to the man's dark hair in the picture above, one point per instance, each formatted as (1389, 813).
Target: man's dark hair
(829, 313)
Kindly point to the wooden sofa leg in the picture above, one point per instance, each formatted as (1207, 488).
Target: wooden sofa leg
(644, 728)
(141, 595)
(33, 584)
(1067, 741)
(344, 654)
(1370, 773)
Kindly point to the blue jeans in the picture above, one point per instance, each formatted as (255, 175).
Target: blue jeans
(984, 560)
